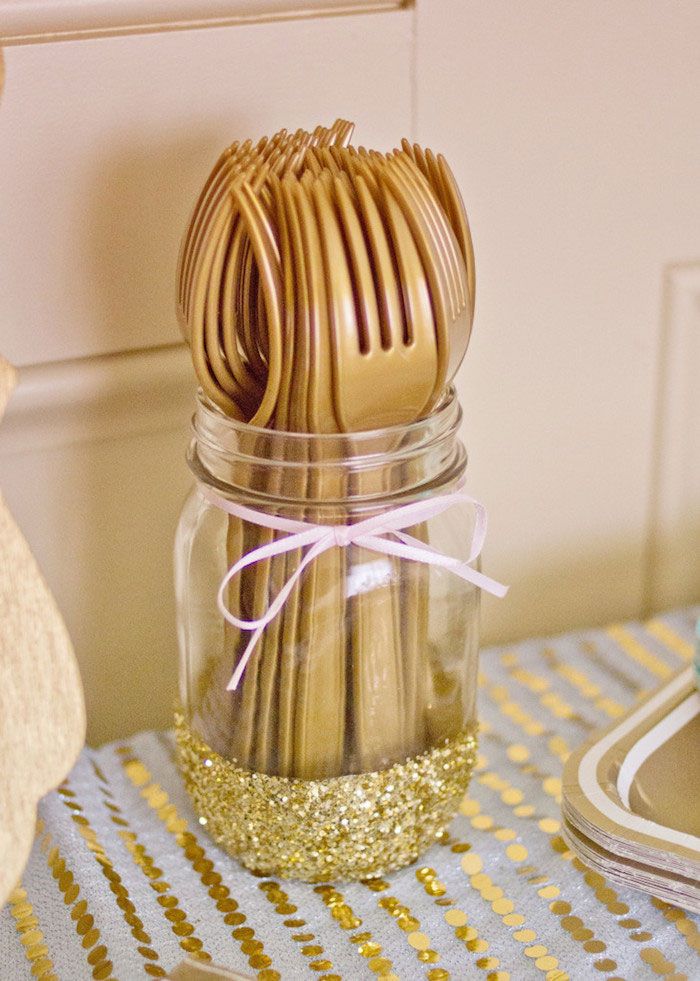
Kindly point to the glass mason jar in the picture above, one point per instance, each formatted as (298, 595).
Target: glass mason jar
(347, 744)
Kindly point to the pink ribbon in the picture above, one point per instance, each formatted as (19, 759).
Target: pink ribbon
(370, 534)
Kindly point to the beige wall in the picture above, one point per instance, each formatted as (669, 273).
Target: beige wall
(575, 131)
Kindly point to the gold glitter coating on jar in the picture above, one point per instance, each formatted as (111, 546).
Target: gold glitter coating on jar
(350, 827)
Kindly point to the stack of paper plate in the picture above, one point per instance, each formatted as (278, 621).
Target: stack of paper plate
(631, 798)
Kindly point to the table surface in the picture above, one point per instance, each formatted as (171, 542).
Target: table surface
(123, 881)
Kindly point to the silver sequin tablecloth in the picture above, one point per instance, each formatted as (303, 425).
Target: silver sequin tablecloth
(123, 881)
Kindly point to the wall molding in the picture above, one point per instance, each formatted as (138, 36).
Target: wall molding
(673, 566)
(88, 399)
(37, 21)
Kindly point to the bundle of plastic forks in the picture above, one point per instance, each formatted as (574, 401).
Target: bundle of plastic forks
(313, 275)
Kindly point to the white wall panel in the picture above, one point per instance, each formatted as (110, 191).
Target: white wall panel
(673, 569)
(38, 21)
(575, 133)
(92, 467)
(105, 143)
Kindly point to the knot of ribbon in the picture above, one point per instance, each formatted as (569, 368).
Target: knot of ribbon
(383, 533)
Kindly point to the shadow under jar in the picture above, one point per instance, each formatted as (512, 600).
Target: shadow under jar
(348, 743)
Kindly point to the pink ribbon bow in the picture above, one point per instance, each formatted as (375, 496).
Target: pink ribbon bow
(370, 534)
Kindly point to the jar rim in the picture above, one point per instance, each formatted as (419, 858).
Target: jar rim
(446, 407)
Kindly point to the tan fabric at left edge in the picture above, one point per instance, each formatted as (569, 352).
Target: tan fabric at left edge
(42, 712)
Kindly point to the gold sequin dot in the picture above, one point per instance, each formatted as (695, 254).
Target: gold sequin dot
(594, 946)
(435, 888)
(269, 975)
(607, 964)
(71, 894)
(478, 945)
(370, 948)
(407, 923)
(487, 963)
(502, 906)
(379, 965)
(512, 796)
(560, 908)
(469, 807)
(548, 892)
(312, 950)
(480, 881)
(537, 950)
(471, 863)
(518, 753)
(498, 976)
(516, 853)
(546, 963)
(571, 923)
(549, 825)
(455, 917)
(428, 956)
(482, 822)
(98, 954)
(91, 938)
(514, 919)
(552, 786)
(438, 974)
(524, 936)
(505, 834)
(418, 940)
(321, 965)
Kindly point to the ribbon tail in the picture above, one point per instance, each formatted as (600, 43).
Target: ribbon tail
(243, 663)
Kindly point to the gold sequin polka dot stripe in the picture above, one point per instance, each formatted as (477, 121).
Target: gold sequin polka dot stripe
(491, 893)
(604, 893)
(605, 896)
(170, 906)
(295, 925)
(641, 655)
(543, 882)
(687, 928)
(507, 706)
(456, 918)
(144, 943)
(511, 709)
(670, 639)
(589, 649)
(520, 757)
(301, 935)
(159, 801)
(410, 927)
(96, 953)
(587, 689)
(543, 690)
(31, 935)
(347, 920)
